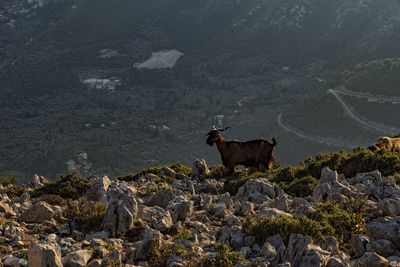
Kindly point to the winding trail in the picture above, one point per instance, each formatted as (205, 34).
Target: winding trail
(319, 139)
(349, 110)
(367, 124)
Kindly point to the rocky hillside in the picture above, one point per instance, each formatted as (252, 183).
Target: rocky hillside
(69, 82)
(176, 216)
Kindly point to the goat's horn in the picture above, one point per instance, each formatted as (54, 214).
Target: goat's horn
(221, 130)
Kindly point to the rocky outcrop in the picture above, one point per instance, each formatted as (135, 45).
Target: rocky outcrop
(193, 214)
(44, 254)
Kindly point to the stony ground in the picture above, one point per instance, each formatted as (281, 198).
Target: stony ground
(186, 223)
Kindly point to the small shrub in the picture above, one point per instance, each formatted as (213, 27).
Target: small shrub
(327, 220)
(284, 226)
(178, 167)
(5, 181)
(154, 188)
(14, 191)
(396, 177)
(217, 172)
(68, 186)
(51, 199)
(302, 187)
(4, 221)
(344, 224)
(87, 215)
(160, 251)
(225, 257)
(184, 235)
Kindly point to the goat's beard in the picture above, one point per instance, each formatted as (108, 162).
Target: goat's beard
(210, 143)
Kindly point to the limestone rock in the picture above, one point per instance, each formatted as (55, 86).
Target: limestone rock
(383, 247)
(359, 243)
(181, 208)
(44, 255)
(268, 251)
(38, 213)
(389, 206)
(77, 258)
(38, 181)
(98, 190)
(150, 237)
(161, 198)
(121, 215)
(159, 218)
(371, 259)
(333, 187)
(387, 228)
(256, 190)
(200, 168)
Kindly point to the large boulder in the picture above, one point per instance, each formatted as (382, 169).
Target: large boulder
(180, 208)
(77, 258)
(44, 254)
(98, 190)
(386, 228)
(375, 186)
(161, 198)
(37, 181)
(150, 238)
(121, 215)
(359, 243)
(256, 190)
(200, 168)
(37, 213)
(333, 187)
(371, 259)
(159, 218)
(302, 252)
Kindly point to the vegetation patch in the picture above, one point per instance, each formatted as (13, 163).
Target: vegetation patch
(51, 199)
(225, 257)
(68, 186)
(327, 220)
(86, 215)
(178, 167)
(5, 181)
(14, 191)
(154, 188)
(160, 252)
(300, 180)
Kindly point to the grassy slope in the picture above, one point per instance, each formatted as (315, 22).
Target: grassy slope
(321, 114)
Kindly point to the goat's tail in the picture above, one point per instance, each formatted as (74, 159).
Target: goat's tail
(274, 141)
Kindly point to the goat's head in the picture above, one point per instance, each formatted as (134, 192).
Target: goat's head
(213, 135)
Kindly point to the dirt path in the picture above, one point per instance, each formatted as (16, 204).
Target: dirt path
(366, 123)
(318, 139)
(349, 110)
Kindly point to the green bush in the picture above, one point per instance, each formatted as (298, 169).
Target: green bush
(51, 199)
(14, 191)
(87, 215)
(225, 257)
(302, 187)
(5, 181)
(178, 167)
(160, 251)
(217, 172)
(327, 220)
(68, 186)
